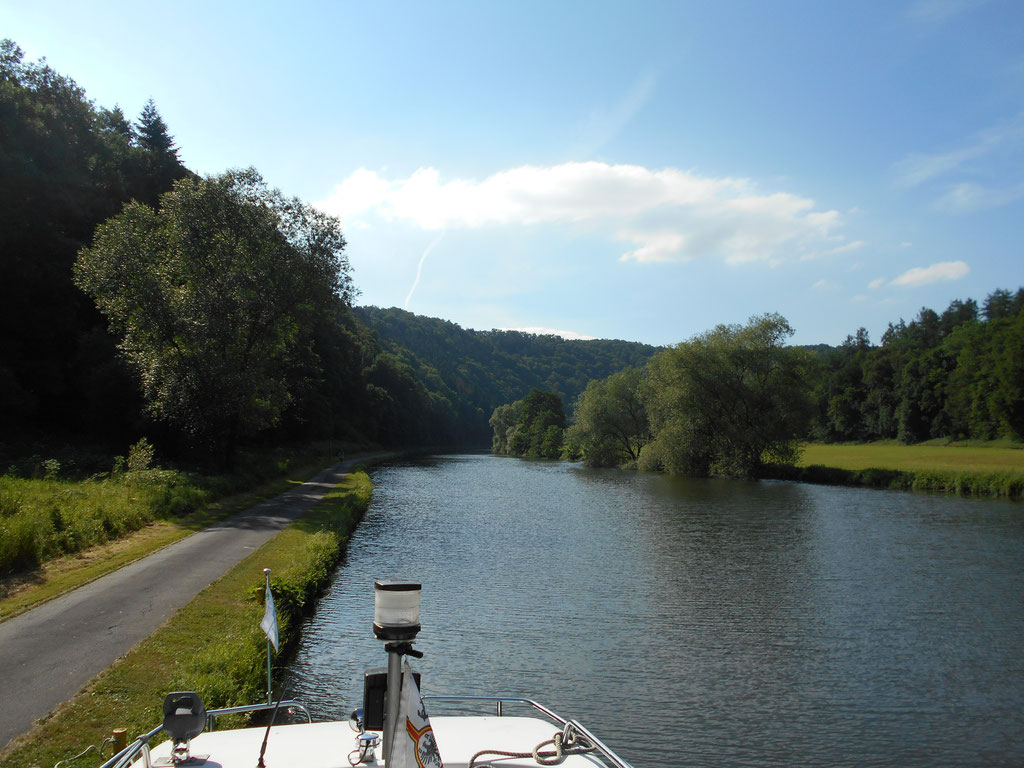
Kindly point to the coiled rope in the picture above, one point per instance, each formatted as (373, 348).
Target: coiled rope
(568, 742)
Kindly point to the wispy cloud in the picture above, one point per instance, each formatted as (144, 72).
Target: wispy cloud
(849, 247)
(918, 168)
(969, 197)
(940, 10)
(666, 215)
(605, 124)
(878, 282)
(943, 271)
(541, 331)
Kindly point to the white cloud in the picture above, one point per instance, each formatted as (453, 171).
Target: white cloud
(941, 272)
(657, 246)
(905, 244)
(668, 214)
(969, 197)
(878, 282)
(541, 331)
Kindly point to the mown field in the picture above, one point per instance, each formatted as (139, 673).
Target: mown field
(994, 470)
(890, 454)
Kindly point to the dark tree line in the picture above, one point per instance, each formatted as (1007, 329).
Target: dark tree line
(66, 166)
(956, 375)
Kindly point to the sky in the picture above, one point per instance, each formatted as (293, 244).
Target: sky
(626, 170)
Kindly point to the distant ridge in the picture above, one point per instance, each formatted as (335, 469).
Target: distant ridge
(476, 371)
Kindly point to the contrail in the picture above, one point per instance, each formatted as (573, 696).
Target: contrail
(419, 269)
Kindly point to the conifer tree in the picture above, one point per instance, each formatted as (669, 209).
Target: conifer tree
(153, 135)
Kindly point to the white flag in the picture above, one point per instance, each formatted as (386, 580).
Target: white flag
(414, 745)
(269, 623)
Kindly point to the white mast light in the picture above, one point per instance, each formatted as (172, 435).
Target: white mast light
(396, 610)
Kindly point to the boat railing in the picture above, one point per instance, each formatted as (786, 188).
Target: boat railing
(498, 701)
(140, 747)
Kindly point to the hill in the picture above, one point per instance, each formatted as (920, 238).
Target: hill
(476, 371)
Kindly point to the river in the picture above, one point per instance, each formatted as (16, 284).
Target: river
(695, 622)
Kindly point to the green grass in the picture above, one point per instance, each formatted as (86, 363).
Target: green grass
(60, 572)
(916, 458)
(214, 645)
(41, 519)
(963, 469)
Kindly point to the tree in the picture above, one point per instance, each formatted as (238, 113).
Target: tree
(610, 425)
(727, 401)
(533, 426)
(213, 299)
(161, 161)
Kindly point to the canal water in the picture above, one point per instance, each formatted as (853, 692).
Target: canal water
(695, 622)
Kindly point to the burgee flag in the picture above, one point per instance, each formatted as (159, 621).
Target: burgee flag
(414, 745)
(269, 623)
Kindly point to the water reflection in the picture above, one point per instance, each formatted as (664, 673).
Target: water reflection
(726, 622)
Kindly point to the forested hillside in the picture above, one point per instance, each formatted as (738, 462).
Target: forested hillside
(476, 371)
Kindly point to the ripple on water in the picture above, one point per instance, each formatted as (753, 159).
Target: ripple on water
(716, 621)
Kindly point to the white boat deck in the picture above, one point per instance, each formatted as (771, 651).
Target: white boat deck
(328, 745)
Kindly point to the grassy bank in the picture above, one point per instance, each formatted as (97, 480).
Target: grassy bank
(214, 645)
(56, 534)
(994, 470)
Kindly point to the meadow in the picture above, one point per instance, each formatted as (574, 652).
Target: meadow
(993, 469)
(1001, 456)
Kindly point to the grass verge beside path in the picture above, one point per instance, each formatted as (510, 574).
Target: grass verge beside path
(24, 591)
(966, 470)
(213, 645)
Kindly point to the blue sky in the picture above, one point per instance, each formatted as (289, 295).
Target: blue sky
(641, 170)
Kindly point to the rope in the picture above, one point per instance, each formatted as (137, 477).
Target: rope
(91, 748)
(566, 743)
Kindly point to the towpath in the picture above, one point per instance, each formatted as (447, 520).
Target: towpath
(48, 654)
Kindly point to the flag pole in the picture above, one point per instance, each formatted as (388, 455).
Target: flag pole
(270, 687)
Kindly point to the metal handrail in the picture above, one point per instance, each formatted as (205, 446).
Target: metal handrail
(141, 745)
(215, 713)
(601, 747)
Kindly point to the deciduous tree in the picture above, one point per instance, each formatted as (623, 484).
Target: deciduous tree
(610, 425)
(728, 400)
(213, 298)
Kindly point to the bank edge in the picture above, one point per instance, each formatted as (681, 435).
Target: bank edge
(1006, 485)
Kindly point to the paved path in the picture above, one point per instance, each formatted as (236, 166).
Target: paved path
(50, 652)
